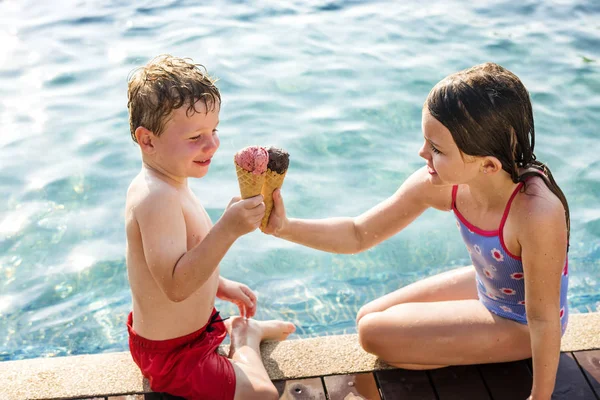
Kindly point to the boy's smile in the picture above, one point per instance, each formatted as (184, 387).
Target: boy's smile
(188, 143)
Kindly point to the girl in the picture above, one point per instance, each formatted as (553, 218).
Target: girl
(511, 303)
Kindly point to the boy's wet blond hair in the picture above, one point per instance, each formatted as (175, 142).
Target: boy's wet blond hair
(163, 85)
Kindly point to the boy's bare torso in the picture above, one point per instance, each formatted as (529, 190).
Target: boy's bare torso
(155, 316)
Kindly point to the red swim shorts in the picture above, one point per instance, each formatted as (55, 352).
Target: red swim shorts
(188, 366)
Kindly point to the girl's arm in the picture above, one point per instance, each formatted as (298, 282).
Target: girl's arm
(353, 235)
(543, 240)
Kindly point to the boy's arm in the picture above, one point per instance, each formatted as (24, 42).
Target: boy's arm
(353, 235)
(543, 242)
(177, 271)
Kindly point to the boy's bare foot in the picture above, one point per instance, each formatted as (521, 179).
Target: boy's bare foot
(227, 324)
(265, 330)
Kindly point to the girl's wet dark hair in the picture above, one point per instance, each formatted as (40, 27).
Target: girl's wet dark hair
(487, 110)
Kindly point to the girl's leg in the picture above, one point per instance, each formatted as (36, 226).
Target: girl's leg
(252, 380)
(435, 334)
(457, 284)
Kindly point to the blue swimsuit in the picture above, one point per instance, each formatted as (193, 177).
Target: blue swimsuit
(499, 273)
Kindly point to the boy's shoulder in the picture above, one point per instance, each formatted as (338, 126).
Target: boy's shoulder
(147, 193)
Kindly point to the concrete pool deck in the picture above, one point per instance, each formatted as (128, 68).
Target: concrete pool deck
(114, 374)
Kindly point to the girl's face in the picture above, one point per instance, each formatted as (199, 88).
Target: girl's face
(445, 162)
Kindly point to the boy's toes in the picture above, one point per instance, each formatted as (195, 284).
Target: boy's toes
(289, 328)
(276, 330)
(227, 324)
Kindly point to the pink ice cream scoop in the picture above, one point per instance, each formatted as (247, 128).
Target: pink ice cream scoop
(253, 159)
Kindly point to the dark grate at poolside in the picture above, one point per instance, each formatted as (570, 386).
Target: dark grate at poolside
(578, 379)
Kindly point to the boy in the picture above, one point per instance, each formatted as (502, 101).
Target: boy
(173, 250)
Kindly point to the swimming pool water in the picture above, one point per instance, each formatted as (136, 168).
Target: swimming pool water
(339, 84)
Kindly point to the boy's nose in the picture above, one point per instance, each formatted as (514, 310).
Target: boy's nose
(211, 143)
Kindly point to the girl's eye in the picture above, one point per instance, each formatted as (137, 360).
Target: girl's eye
(196, 137)
(436, 151)
(215, 131)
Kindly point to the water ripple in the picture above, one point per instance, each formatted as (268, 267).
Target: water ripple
(340, 84)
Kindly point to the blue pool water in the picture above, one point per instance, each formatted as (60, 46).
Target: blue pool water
(339, 84)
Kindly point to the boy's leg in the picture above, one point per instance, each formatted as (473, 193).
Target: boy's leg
(456, 284)
(252, 380)
(435, 334)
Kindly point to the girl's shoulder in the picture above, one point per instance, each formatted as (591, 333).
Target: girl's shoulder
(538, 222)
(536, 201)
(422, 190)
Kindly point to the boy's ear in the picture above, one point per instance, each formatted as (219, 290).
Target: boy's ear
(491, 165)
(145, 139)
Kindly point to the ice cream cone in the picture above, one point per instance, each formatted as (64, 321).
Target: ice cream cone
(250, 183)
(273, 181)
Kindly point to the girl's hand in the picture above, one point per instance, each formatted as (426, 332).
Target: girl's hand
(240, 295)
(277, 220)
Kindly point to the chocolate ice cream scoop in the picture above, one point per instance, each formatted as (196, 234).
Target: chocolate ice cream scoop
(279, 160)
(277, 167)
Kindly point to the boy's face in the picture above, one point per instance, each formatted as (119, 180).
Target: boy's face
(188, 143)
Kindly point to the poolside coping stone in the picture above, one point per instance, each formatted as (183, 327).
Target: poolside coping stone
(112, 374)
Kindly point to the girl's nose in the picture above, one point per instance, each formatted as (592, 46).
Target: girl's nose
(423, 152)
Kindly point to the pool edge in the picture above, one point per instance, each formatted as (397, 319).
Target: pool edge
(111, 374)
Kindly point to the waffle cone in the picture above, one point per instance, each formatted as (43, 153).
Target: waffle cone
(273, 181)
(250, 184)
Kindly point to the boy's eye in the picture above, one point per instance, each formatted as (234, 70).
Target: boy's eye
(196, 137)
(436, 151)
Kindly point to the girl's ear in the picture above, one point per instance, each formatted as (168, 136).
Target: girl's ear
(490, 165)
(145, 139)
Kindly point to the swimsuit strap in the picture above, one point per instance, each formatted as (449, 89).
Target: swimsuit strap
(506, 209)
(454, 191)
(503, 221)
(510, 200)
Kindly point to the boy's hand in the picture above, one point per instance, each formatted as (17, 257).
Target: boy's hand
(244, 216)
(240, 295)
(277, 220)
